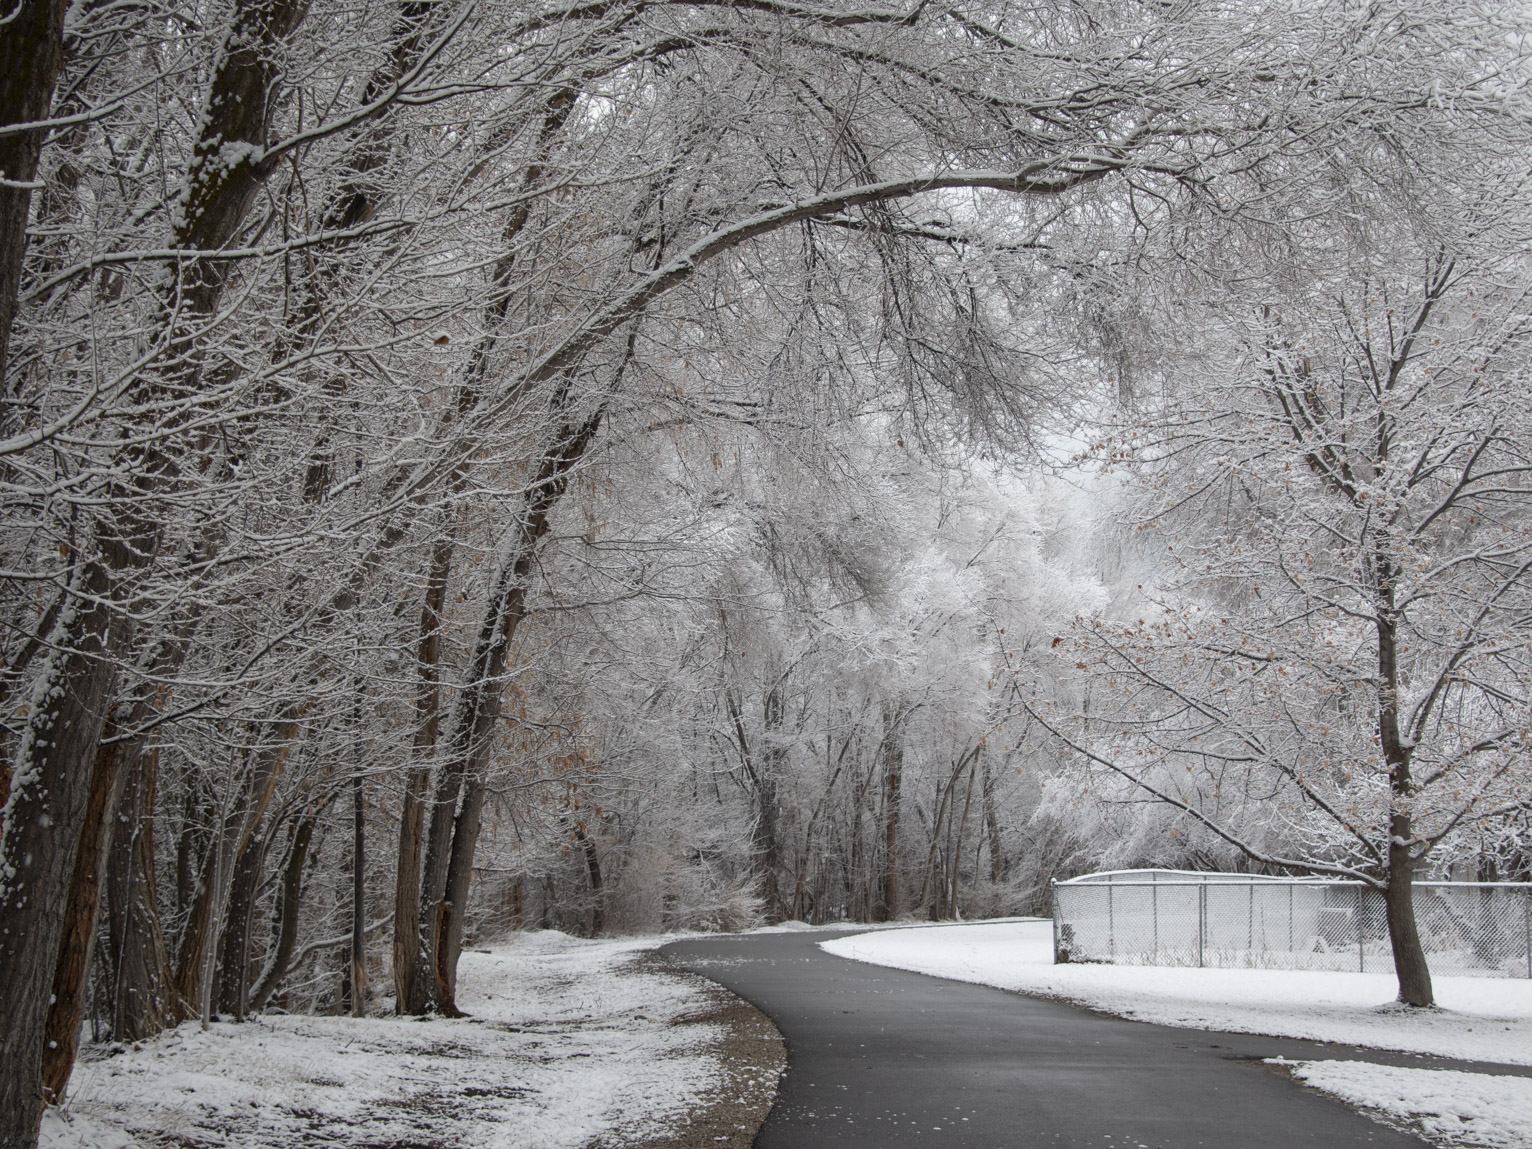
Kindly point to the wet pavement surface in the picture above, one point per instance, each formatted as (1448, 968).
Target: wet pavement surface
(882, 1059)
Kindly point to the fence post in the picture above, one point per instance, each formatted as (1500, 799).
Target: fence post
(1111, 922)
(1361, 954)
(1202, 913)
(1250, 919)
(1154, 893)
(1053, 897)
(1526, 917)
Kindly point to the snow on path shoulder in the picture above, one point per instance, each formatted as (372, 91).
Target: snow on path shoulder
(1451, 1108)
(1482, 1019)
(569, 1041)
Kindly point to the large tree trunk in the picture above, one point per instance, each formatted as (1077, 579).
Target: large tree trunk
(115, 762)
(66, 1010)
(411, 993)
(449, 918)
(1410, 964)
(234, 946)
(432, 964)
(144, 999)
(50, 791)
(31, 56)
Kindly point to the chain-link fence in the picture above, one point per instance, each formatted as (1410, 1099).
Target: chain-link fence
(1244, 921)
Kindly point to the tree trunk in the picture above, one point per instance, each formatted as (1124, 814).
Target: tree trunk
(234, 947)
(411, 994)
(768, 834)
(62, 1036)
(433, 951)
(593, 874)
(892, 752)
(997, 866)
(954, 903)
(411, 991)
(765, 852)
(358, 899)
(31, 56)
(801, 895)
(453, 840)
(238, 826)
(1410, 965)
(287, 915)
(923, 903)
(115, 762)
(40, 837)
(1399, 896)
(449, 939)
(143, 994)
(432, 926)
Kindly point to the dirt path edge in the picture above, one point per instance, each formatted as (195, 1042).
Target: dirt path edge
(753, 1058)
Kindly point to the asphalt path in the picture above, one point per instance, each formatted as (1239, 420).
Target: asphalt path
(882, 1059)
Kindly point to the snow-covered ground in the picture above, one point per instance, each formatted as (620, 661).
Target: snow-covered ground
(1451, 1108)
(1481, 1019)
(570, 1041)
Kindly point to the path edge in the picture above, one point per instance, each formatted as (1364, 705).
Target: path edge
(752, 1057)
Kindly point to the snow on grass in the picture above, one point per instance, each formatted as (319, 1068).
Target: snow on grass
(1481, 1019)
(1451, 1108)
(569, 1040)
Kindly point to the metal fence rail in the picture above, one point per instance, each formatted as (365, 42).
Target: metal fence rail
(1243, 921)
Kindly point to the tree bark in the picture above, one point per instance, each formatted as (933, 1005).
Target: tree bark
(954, 902)
(234, 947)
(358, 898)
(40, 837)
(143, 995)
(434, 916)
(287, 916)
(1410, 965)
(115, 762)
(892, 753)
(449, 919)
(592, 858)
(411, 993)
(62, 1035)
(31, 57)
(997, 866)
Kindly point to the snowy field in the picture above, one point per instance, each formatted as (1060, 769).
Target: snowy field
(570, 1042)
(1481, 1019)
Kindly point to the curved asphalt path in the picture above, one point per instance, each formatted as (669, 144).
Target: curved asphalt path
(882, 1059)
